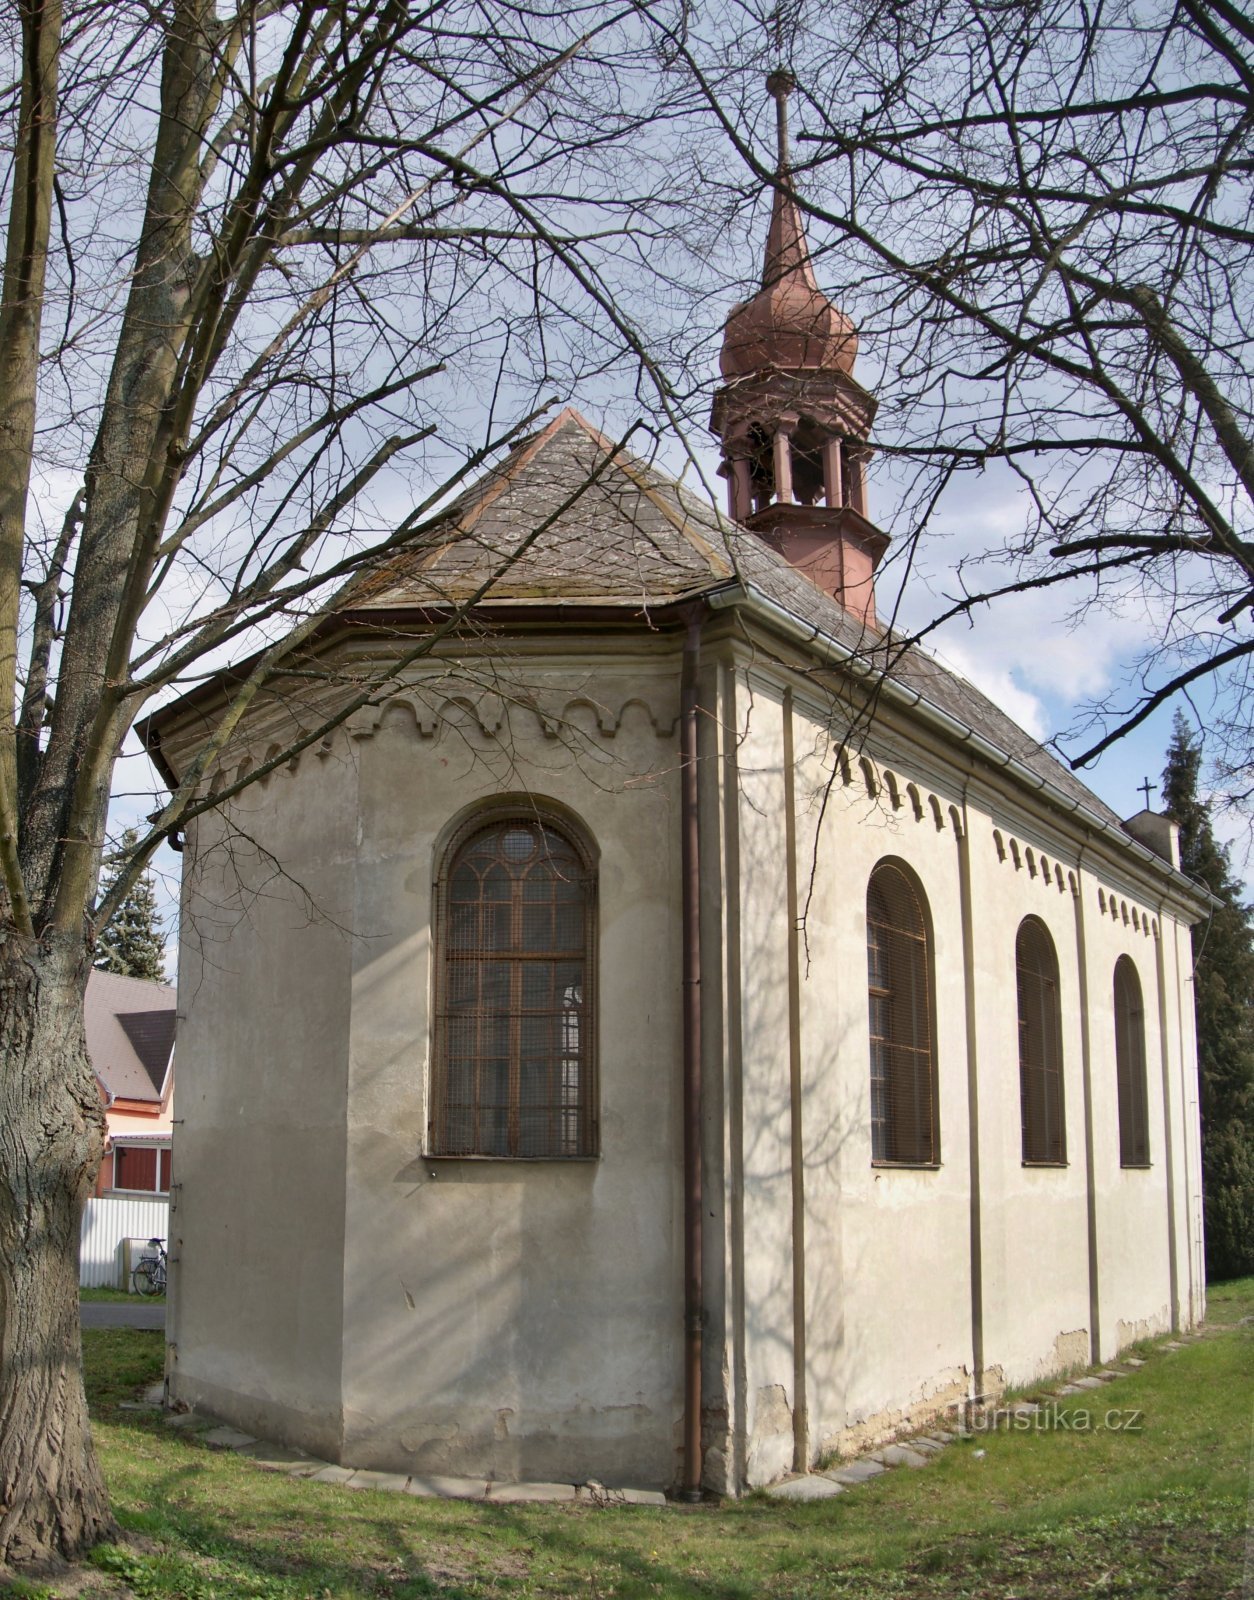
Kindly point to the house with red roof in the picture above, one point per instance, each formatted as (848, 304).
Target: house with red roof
(130, 1038)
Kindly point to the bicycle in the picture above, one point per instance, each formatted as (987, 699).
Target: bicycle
(149, 1274)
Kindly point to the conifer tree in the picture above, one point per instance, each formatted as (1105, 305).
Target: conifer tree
(131, 942)
(1223, 956)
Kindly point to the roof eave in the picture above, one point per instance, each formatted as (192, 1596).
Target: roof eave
(748, 597)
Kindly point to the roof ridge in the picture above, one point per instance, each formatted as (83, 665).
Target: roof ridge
(627, 461)
(502, 475)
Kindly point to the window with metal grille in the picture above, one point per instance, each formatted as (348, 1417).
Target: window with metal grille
(904, 1124)
(1040, 1046)
(1130, 1066)
(515, 928)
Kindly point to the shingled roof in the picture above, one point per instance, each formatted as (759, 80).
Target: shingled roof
(560, 519)
(567, 520)
(130, 1034)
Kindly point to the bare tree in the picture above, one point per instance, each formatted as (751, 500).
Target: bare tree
(1039, 217)
(273, 274)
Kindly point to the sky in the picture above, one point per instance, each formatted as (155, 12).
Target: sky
(1023, 652)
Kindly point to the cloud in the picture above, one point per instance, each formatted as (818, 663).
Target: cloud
(997, 681)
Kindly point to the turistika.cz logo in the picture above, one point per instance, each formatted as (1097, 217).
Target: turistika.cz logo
(1054, 1418)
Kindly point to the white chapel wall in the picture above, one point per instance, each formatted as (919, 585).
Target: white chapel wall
(437, 1316)
(255, 1320)
(526, 1315)
(890, 1327)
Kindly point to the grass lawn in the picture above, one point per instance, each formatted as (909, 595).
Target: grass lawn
(1156, 1512)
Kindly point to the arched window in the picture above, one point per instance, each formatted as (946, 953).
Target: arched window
(513, 1071)
(1130, 1066)
(1040, 1045)
(904, 1123)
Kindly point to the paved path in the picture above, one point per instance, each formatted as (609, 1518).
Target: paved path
(119, 1314)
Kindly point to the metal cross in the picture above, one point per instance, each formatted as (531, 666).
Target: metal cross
(1144, 789)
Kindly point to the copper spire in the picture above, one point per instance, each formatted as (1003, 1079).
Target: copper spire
(789, 325)
(793, 423)
(786, 248)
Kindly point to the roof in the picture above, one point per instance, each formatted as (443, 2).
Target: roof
(561, 518)
(564, 520)
(130, 1034)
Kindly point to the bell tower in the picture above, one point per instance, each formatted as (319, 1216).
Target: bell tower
(792, 420)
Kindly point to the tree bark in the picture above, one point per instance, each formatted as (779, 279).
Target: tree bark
(53, 1504)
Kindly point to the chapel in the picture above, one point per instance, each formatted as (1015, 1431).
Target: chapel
(678, 1030)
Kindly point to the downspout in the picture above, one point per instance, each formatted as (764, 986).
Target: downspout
(690, 868)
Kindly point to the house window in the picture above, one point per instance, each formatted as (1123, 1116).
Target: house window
(1040, 1046)
(515, 1021)
(1130, 1066)
(904, 1124)
(141, 1168)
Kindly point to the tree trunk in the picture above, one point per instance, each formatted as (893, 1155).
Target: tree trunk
(52, 1496)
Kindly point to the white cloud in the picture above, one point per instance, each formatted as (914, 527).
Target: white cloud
(996, 681)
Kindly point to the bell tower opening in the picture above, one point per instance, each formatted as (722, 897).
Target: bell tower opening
(792, 420)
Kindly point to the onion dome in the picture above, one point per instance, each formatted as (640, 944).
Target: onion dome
(790, 324)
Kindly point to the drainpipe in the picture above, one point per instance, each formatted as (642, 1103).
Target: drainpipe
(694, 1312)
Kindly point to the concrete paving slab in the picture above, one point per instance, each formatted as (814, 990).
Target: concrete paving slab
(155, 1394)
(899, 1455)
(332, 1474)
(138, 1405)
(1133, 1361)
(928, 1446)
(941, 1437)
(384, 1482)
(308, 1467)
(812, 1487)
(227, 1438)
(1070, 1388)
(1088, 1383)
(190, 1421)
(278, 1457)
(599, 1494)
(448, 1488)
(855, 1471)
(522, 1494)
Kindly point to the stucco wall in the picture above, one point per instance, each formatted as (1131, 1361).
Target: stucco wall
(924, 1287)
(517, 1317)
(340, 1287)
(1132, 1218)
(905, 1324)
(257, 1225)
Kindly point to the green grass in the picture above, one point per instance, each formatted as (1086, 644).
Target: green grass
(1155, 1513)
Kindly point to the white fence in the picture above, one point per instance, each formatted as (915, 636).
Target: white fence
(106, 1223)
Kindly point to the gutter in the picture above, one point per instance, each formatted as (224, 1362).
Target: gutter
(690, 871)
(746, 595)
